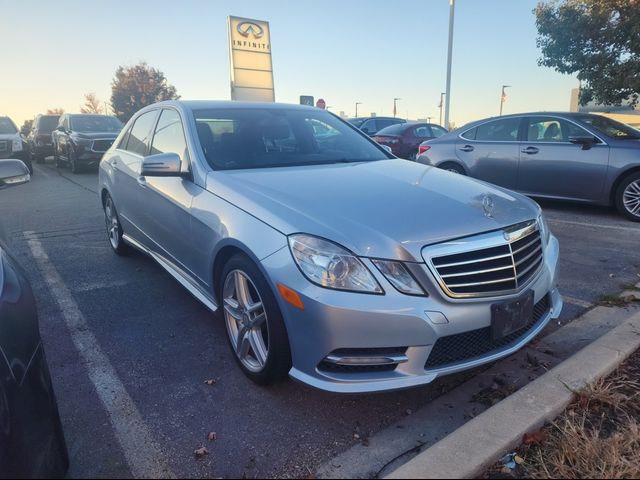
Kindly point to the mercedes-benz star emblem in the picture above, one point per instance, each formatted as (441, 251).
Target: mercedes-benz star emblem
(487, 205)
(246, 28)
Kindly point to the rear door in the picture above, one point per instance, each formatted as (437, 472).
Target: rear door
(126, 164)
(491, 151)
(166, 201)
(550, 165)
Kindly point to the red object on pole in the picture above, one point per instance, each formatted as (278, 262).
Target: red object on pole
(321, 103)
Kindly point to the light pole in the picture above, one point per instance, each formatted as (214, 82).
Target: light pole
(503, 97)
(395, 111)
(452, 7)
(357, 103)
(440, 106)
(428, 119)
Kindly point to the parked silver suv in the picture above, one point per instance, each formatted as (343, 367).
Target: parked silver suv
(574, 156)
(332, 261)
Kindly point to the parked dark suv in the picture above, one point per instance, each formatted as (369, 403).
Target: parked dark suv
(12, 144)
(39, 137)
(371, 125)
(80, 140)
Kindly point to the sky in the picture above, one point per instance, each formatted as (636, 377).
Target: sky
(344, 51)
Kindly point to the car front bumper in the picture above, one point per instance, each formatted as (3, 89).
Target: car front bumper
(335, 322)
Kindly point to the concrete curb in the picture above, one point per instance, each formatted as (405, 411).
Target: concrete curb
(470, 450)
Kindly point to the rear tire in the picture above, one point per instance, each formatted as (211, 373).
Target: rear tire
(114, 228)
(261, 348)
(452, 167)
(627, 197)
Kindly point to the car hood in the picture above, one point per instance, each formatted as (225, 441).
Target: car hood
(383, 209)
(9, 136)
(96, 135)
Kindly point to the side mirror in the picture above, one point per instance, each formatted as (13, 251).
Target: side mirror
(13, 172)
(161, 165)
(387, 148)
(586, 141)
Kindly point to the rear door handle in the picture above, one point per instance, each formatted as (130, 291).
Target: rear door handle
(467, 148)
(530, 150)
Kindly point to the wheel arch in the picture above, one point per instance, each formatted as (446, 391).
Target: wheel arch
(455, 162)
(619, 179)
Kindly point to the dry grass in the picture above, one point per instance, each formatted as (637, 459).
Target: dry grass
(598, 436)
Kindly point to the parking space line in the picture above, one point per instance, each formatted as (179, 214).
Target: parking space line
(596, 225)
(141, 452)
(577, 301)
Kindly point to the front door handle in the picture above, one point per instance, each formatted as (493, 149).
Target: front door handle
(530, 150)
(467, 148)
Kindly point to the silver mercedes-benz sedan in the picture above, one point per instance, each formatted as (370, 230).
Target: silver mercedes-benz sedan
(574, 156)
(331, 260)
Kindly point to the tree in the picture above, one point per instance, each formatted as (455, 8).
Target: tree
(26, 127)
(55, 111)
(91, 104)
(137, 86)
(599, 40)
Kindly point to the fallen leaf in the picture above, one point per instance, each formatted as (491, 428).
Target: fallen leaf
(518, 459)
(210, 382)
(534, 438)
(212, 437)
(201, 452)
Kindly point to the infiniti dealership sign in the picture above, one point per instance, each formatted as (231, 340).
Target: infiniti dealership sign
(250, 58)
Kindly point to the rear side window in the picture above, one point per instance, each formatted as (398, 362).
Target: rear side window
(470, 134)
(169, 136)
(140, 133)
(437, 131)
(505, 130)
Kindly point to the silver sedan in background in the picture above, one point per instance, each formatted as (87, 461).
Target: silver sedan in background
(331, 260)
(573, 156)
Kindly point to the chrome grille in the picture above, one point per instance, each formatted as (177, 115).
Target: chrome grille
(101, 145)
(497, 263)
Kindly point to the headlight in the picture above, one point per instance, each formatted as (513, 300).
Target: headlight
(81, 140)
(545, 233)
(16, 146)
(331, 266)
(399, 277)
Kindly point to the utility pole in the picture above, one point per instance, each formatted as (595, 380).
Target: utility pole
(503, 97)
(452, 7)
(357, 103)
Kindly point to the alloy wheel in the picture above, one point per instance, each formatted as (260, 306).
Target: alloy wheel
(246, 320)
(631, 198)
(112, 223)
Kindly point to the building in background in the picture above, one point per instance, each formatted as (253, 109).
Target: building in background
(625, 113)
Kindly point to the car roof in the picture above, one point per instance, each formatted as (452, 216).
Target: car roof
(232, 104)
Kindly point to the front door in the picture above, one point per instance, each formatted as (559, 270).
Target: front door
(550, 165)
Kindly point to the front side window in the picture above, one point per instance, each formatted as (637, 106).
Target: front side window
(47, 124)
(244, 138)
(369, 126)
(140, 133)
(505, 130)
(552, 129)
(169, 135)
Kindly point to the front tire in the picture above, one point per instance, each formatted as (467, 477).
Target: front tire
(72, 160)
(255, 328)
(114, 228)
(627, 197)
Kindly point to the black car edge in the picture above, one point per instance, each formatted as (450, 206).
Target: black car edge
(13, 144)
(32, 443)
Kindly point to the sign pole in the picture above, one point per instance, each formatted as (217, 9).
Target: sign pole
(452, 7)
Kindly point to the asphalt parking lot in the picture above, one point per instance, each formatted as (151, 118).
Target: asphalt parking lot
(163, 344)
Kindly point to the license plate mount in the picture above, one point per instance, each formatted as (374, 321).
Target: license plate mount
(509, 317)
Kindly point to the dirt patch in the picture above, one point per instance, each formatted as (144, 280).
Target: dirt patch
(598, 435)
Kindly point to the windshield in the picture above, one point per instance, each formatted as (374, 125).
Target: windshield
(7, 126)
(48, 124)
(612, 128)
(242, 138)
(95, 123)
